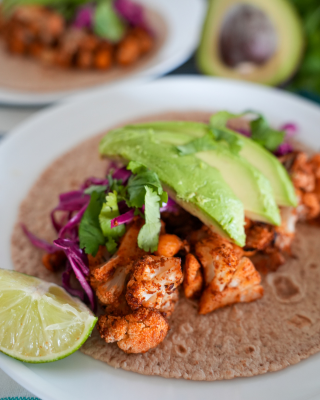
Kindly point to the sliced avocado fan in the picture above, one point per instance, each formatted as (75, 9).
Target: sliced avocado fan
(246, 181)
(196, 186)
(262, 160)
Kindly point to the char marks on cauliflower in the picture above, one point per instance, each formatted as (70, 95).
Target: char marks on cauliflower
(153, 282)
(135, 333)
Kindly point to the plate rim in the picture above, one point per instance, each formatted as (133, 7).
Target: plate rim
(14, 371)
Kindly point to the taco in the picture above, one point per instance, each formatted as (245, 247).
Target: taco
(257, 312)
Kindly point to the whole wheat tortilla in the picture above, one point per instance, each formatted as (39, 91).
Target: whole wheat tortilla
(27, 74)
(241, 340)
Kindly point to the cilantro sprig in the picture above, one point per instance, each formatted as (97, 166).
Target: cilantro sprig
(143, 193)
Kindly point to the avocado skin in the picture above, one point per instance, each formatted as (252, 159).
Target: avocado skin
(210, 63)
(198, 187)
(174, 132)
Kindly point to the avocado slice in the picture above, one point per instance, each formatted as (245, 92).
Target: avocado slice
(256, 40)
(247, 182)
(196, 186)
(283, 190)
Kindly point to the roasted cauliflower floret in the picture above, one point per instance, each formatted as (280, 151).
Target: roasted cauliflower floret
(169, 301)
(110, 277)
(300, 169)
(258, 236)
(219, 259)
(135, 333)
(193, 279)
(153, 278)
(309, 207)
(243, 287)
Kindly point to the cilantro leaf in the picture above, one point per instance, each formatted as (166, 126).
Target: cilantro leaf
(136, 167)
(220, 119)
(116, 185)
(233, 140)
(137, 184)
(109, 211)
(148, 237)
(264, 135)
(221, 133)
(111, 245)
(207, 142)
(107, 23)
(90, 234)
(164, 197)
(96, 188)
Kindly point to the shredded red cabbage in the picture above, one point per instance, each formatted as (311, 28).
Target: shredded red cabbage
(244, 132)
(122, 173)
(72, 249)
(66, 275)
(284, 149)
(79, 263)
(37, 242)
(290, 129)
(73, 222)
(170, 206)
(123, 208)
(123, 219)
(94, 181)
(70, 201)
(131, 12)
(84, 17)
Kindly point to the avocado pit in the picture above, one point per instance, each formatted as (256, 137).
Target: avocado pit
(247, 38)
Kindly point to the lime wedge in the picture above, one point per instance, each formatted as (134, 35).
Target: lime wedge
(39, 321)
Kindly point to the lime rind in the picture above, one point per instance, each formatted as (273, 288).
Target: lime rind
(39, 321)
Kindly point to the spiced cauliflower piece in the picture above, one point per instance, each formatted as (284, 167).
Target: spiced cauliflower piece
(244, 286)
(110, 277)
(153, 282)
(193, 279)
(218, 257)
(169, 245)
(135, 333)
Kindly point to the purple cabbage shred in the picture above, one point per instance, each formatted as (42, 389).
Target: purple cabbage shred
(39, 243)
(66, 275)
(123, 219)
(291, 130)
(70, 201)
(84, 17)
(94, 181)
(131, 12)
(79, 264)
(122, 173)
(170, 206)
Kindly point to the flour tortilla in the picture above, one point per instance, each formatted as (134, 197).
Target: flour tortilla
(279, 330)
(27, 74)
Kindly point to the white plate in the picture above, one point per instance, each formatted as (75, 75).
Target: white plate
(32, 147)
(184, 21)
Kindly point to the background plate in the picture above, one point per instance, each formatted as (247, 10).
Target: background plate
(184, 22)
(32, 147)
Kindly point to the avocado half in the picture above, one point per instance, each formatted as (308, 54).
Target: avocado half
(256, 40)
